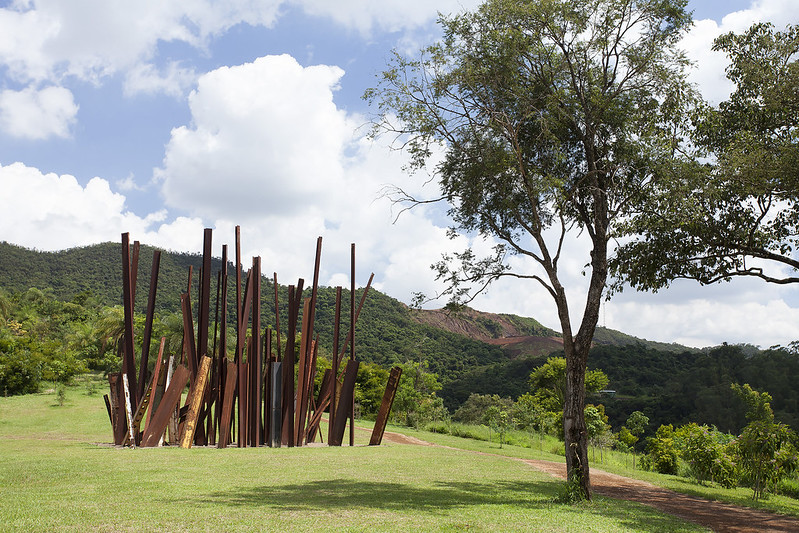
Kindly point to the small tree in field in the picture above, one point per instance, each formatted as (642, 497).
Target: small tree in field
(767, 449)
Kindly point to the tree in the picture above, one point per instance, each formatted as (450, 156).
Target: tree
(551, 115)
(548, 383)
(767, 448)
(500, 421)
(737, 215)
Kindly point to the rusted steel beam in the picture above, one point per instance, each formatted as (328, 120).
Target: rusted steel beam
(128, 361)
(346, 344)
(277, 317)
(204, 297)
(227, 405)
(385, 406)
(334, 381)
(130, 436)
(302, 399)
(322, 403)
(148, 323)
(310, 379)
(344, 402)
(266, 387)
(172, 423)
(222, 352)
(117, 407)
(195, 400)
(134, 269)
(166, 408)
(157, 379)
(189, 347)
(141, 409)
(352, 338)
(276, 378)
(287, 424)
(257, 366)
(241, 341)
(214, 401)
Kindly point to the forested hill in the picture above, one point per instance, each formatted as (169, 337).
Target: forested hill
(472, 352)
(388, 331)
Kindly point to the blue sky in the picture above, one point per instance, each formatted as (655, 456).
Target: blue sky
(164, 117)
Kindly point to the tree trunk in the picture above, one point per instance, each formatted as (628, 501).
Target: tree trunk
(574, 428)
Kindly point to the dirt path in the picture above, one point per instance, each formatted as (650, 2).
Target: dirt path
(717, 516)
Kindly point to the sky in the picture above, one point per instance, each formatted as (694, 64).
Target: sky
(164, 117)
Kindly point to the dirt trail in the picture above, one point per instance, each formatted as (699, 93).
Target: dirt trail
(717, 516)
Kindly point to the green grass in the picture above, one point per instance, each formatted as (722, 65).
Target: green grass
(57, 473)
(617, 463)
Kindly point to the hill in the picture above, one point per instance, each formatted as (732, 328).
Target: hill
(471, 351)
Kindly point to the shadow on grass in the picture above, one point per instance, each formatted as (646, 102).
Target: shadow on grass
(346, 494)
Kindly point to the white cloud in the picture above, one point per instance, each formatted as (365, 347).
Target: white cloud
(90, 39)
(708, 72)
(266, 139)
(52, 212)
(388, 15)
(145, 78)
(37, 114)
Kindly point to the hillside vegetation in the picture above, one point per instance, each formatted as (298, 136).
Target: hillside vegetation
(469, 351)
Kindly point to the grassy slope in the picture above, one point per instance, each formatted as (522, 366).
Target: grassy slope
(54, 476)
(617, 463)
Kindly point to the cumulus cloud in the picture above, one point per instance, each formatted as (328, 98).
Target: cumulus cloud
(54, 212)
(37, 114)
(265, 139)
(89, 39)
(708, 71)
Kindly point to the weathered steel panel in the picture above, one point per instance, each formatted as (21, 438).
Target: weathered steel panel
(167, 407)
(195, 400)
(385, 406)
(345, 402)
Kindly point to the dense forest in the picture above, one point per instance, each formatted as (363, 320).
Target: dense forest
(66, 304)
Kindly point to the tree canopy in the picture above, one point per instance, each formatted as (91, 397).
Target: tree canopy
(735, 210)
(551, 117)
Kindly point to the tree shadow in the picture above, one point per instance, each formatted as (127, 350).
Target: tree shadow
(334, 495)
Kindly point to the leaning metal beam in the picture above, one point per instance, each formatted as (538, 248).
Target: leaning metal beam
(194, 403)
(167, 407)
(385, 406)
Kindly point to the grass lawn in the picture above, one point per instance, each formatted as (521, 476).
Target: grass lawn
(617, 463)
(57, 473)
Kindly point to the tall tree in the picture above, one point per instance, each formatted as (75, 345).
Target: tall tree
(738, 214)
(551, 115)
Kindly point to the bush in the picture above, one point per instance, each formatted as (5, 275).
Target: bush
(709, 454)
(661, 452)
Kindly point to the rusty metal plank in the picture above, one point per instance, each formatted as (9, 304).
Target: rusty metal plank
(257, 367)
(157, 378)
(130, 437)
(166, 408)
(148, 324)
(128, 361)
(227, 406)
(287, 424)
(117, 400)
(344, 403)
(334, 381)
(385, 406)
(276, 378)
(352, 339)
(195, 400)
(189, 347)
(277, 316)
(302, 398)
(322, 403)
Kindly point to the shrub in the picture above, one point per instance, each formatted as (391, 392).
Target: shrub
(661, 452)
